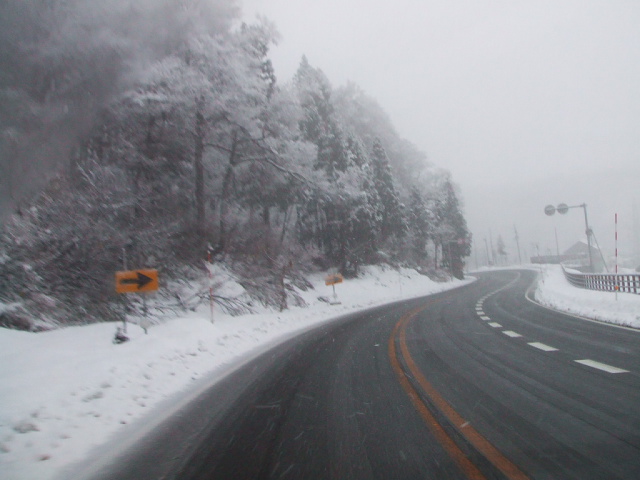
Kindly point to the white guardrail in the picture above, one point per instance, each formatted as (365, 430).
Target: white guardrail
(605, 282)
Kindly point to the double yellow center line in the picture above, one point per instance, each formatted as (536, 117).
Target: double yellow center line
(481, 444)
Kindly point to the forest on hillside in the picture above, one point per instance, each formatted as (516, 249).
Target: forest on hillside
(157, 135)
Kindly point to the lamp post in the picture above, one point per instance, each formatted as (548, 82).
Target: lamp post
(562, 209)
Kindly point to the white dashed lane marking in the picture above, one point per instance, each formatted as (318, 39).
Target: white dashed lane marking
(511, 333)
(542, 346)
(601, 366)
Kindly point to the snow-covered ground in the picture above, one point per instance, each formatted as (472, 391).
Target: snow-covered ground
(65, 392)
(554, 291)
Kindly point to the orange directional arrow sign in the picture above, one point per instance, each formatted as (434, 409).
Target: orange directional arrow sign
(135, 281)
(333, 279)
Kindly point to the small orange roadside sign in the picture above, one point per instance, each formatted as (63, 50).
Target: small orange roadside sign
(333, 279)
(136, 281)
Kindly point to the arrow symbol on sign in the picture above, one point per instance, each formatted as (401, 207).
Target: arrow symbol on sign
(141, 281)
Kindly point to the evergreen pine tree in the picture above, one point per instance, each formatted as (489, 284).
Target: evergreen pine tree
(392, 220)
(418, 225)
(315, 97)
(454, 236)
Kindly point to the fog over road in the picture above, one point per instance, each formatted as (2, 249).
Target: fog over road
(477, 382)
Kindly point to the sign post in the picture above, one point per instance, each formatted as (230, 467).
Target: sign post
(138, 281)
(562, 209)
(332, 280)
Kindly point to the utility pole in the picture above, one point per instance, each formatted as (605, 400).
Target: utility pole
(518, 244)
(493, 252)
(589, 233)
(475, 251)
(486, 246)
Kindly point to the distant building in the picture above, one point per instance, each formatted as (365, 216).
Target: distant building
(577, 255)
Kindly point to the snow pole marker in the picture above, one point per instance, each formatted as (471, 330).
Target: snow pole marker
(209, 267)
(617, 285)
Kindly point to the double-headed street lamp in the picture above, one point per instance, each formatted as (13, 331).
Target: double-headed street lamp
(562, 209)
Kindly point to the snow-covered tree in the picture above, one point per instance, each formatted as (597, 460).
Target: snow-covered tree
(451, 234)
(419, 225)
(392, 216)
(63, 60)
(191, 141)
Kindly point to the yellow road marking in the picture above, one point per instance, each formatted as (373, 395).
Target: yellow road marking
(467, 467)
(491, 453)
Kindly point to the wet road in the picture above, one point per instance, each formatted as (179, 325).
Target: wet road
(478, 382)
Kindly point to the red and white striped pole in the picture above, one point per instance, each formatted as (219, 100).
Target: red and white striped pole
(617, 287)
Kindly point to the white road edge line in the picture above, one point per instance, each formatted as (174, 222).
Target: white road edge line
(601, 366)
(511, 333)
(495, 325)
(542, 346)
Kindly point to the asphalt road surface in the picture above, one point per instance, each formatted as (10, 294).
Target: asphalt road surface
(478, 382)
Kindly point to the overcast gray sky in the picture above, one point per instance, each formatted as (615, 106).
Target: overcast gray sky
(526, 102)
